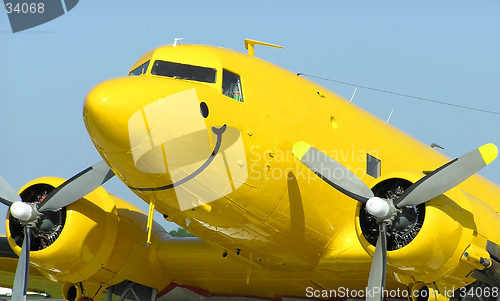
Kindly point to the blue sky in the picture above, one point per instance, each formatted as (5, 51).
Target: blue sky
(446, 50)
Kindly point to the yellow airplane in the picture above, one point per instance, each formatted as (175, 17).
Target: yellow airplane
(292, 191)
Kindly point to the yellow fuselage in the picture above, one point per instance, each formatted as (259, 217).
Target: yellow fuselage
(273, 213)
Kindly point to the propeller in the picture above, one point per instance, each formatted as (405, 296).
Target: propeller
(28, 214)
(376, 280)
(7, 194)
(23, 269)
(386, 211)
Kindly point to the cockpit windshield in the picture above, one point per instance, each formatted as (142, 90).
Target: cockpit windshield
(140, 70)
(183, 71)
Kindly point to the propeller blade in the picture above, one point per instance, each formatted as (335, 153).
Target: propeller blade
(332, 172)
(77, 187)
(376, 280)
(23, 269)
(8, 195)
(447, 176)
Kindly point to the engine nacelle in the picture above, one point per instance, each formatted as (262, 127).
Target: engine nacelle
(99, 239)
(430, 238)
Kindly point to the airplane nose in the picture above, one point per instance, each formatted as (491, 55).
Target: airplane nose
(108, 107)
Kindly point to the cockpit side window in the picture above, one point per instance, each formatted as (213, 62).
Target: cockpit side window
(140, 70)
(183, 71)
(231, 85)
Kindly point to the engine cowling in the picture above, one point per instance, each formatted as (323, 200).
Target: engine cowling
(99, 240)
(431, 238)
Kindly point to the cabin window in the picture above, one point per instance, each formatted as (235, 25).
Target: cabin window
(183, 71)
(140, 70)
(231, 85)
(372, 166)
